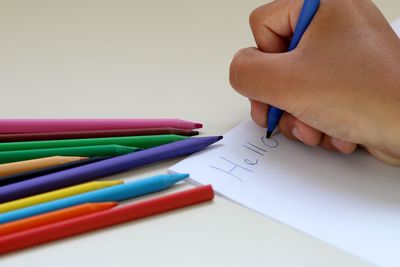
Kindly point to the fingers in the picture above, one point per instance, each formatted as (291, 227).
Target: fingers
(266, 74)
(283, 79)
(259, 113)
(327, 144)
(265, 77)
(343, 146)
(294, 129)
(384, 156)
(291, 127)
(273, 24)
(336, 145)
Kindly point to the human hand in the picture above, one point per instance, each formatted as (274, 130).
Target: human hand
(340, 87)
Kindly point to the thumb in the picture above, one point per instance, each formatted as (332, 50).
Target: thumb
(267, 77)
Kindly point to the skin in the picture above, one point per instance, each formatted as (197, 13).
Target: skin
(340, 87)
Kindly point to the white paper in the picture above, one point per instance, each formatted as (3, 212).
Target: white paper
(349, 201)
(396, 26)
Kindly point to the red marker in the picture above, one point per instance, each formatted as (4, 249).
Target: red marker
(91, 222)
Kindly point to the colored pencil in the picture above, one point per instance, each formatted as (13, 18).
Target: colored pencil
(5, 180)
(83, 151)
(59, 194)
(35, 164)
(132, 141)
(55, 216)
(63, 125)
(93, 134)
(114, 193)
(102, 219)
(103, 168)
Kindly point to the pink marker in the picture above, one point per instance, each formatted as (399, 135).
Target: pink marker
(60, 125)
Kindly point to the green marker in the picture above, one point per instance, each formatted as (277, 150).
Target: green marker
(83, 151)
(133, 141)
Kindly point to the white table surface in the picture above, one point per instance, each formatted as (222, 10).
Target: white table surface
(146, 59)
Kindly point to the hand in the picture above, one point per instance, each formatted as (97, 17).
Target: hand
(340, 87)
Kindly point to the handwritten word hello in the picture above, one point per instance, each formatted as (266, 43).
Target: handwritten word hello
(239, 169)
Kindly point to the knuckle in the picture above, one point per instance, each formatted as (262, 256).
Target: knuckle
(255, 16)
(236, 68)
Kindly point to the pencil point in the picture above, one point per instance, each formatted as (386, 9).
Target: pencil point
(181, 175)
(115, 182)
(269, 133)
(193, 133)
(176, 177)
(198, 125)
(103, 205)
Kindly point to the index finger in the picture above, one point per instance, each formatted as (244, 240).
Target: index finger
(273, 24)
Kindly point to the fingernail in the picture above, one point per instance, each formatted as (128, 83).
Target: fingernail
(296, 133)
(337, 144)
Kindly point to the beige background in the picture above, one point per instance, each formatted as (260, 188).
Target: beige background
(146, 59)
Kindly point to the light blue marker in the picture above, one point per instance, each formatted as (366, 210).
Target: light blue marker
(114, 193)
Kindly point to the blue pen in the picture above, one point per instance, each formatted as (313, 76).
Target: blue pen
(308, 11)
(114, 193)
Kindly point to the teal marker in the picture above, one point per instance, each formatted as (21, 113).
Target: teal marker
(114, 193)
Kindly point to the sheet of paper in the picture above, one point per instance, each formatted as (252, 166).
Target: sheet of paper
(349, 201)
(396, 26)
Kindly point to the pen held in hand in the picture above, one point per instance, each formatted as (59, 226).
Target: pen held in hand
(307, 13)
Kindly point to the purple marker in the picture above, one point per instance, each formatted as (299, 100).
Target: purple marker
(103, 168)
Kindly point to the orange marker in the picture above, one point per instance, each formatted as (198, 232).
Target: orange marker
(55, 216)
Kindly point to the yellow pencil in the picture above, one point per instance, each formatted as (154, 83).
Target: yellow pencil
(35, 164)
(57, 194)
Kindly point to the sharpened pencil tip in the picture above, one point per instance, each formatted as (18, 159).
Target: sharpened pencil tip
(175, 177)
(181, 175)
(269, 133)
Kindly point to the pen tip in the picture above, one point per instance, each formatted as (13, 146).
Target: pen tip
(269, 133)
(176, 177)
